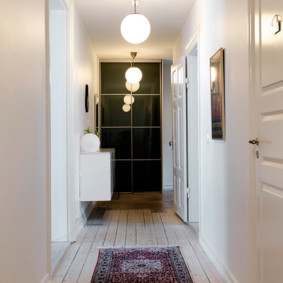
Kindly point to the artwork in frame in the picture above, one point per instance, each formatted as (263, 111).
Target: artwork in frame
(217, 95)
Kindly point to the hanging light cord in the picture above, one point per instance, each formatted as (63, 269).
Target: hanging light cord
(135, 6)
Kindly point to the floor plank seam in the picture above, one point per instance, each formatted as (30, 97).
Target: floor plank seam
(88, 254)
(75, 255)
(107, 227)
(164, 228)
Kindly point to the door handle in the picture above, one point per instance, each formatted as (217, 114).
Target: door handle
(170, 143)
(256, 141)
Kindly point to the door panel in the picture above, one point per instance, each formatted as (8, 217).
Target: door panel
(269, 166)
(175, 150)
(179, 144)
(272, 233)
(181, 130)
(272, 148)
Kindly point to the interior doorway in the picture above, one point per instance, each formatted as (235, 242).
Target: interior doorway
(186, 148)
(58, 46)
(193, 124)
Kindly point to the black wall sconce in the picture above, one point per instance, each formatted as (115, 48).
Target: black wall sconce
(86, 98)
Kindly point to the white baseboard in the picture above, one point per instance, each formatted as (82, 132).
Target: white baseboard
(79, 226)
(45, 279)
(222, 269)
(80, 222)
(168, 187)
(60, 239)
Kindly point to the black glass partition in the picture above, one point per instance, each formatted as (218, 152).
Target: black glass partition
(146, 143)
(112, 114)
(146, 110)
(133, 130)
(147, 176)
(118, 138)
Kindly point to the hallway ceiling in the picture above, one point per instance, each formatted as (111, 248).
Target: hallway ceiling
(102, 19)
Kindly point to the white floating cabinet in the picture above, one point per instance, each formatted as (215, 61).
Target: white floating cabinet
(97, 173)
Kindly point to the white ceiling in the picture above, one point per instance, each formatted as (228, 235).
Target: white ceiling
(102, 19)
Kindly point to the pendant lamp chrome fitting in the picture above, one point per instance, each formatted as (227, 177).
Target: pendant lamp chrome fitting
(135, 3)
(133, 54)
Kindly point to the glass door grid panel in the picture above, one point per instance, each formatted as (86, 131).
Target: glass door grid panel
(136, 134)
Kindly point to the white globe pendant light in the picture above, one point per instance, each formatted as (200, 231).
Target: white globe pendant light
(126, 107)
(133, 75)
(135, 28)
(129, 99)
(132, 87)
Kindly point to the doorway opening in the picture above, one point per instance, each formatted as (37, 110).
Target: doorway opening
(58, 45)
(186, 150)
(193, 124)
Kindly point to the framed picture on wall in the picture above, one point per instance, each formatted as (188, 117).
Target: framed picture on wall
(217, 95)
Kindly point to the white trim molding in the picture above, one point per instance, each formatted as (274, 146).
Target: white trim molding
(45, 279)
(80, 222)
(194, 40)
(191, 47)
(254, 10)
(222, 269)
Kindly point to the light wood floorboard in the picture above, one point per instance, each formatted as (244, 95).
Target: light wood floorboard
(58, 250)
(129, 228)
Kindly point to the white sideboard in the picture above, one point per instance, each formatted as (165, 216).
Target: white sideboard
(97, 171)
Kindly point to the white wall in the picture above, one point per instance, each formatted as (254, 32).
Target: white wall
(23, 142)
(167, 127)
(84, 64)
(58, 94)
(187, 33)
(224, 230)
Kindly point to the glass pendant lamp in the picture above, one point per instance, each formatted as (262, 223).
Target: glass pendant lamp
(135, 28)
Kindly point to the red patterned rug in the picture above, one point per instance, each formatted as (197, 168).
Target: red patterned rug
(141, 265)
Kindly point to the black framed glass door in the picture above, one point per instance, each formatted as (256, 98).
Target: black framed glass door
(135, 134)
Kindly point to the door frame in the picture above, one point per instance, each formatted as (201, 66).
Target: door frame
(189, 49)
(69, 126)
(254, 83)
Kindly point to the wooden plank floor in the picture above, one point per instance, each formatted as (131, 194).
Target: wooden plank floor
(58, 250)
(129, 228)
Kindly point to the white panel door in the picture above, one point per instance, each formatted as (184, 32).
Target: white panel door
(269, 164)
(179, 139)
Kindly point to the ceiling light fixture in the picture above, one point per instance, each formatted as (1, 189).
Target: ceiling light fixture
(135, 28)
(133, 74)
